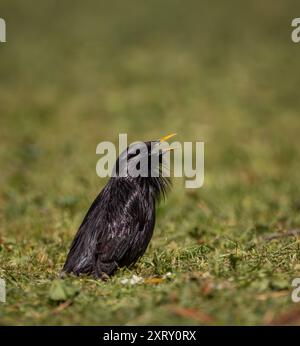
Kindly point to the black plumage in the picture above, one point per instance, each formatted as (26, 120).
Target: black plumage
(119, 224)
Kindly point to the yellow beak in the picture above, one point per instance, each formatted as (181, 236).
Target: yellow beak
(163, 139)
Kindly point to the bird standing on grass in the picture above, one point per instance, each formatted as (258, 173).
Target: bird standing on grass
(119, 224)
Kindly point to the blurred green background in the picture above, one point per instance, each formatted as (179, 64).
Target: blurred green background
(73, 74)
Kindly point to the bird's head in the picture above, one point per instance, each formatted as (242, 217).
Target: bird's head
(143, 162)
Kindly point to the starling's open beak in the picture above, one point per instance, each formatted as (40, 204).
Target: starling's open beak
(165, 138)
(159, 141)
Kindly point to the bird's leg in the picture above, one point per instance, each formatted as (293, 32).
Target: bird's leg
(103, 271)
(101, 276)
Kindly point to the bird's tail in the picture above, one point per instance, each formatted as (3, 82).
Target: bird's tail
(80, 258)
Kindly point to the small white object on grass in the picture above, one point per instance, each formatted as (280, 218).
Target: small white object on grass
(138, 279)
(133, 281)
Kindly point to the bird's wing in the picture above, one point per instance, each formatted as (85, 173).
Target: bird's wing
(115, 221)
(122, 231)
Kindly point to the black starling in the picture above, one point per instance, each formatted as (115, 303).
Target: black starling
(119, 224)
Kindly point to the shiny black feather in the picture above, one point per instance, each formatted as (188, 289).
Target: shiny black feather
(117, 227)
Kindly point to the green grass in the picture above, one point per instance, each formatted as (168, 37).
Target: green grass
(75, 74)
